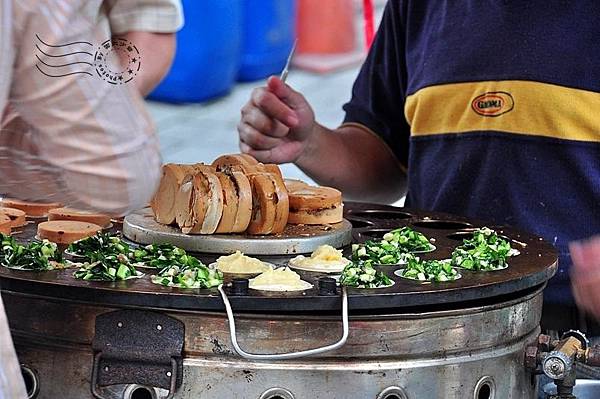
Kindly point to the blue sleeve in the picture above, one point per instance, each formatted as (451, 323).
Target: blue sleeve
(380, 89)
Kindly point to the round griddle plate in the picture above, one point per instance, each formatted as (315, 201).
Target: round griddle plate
(533, 267)
(141, 227)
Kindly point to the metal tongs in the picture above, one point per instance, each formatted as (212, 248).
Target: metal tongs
(286, 69)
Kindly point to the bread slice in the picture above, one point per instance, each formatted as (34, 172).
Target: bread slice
(238, 162)
(202, 167)
(249, 158)
(282, 203)
(199, 203)
(273, 168)
(81, 216)
(263, 204)
(243, 192)
(189, 210)
(315, 205)
(66, 231)
(230, 204)
(207, 185)
(5, 224)
(34, 209)
(163, 202)
(17, 216)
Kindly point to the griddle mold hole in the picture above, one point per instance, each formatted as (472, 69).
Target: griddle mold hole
(359, 223)
(375, 214)
(442, 224)
(375, 233)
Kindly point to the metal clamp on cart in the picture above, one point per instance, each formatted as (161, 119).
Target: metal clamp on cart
(137, 348)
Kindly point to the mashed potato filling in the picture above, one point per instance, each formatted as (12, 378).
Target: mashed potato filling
(282, 279)
(325, 258)
(240, 263)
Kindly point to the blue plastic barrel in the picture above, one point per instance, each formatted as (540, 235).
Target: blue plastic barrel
(208, 52)
(268, 36)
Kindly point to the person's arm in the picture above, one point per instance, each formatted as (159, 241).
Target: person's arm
(158, 50)
(585, 274)
(365, 157)
(350, 157)
(151, 27)
(91, 144)
(374, 172)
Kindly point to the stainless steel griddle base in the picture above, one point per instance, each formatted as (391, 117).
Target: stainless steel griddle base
(141, 227)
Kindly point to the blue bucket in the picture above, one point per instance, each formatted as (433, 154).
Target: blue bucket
(208, 51)
(269, 28)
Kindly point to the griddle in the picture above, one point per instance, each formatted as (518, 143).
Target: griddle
(531, 269)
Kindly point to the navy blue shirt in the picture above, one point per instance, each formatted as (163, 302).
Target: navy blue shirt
(494, 108)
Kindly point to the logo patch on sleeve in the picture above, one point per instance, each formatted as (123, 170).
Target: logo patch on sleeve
(493, 103)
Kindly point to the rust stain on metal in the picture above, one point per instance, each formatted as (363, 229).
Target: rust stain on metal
(218, 348)
(248, 375)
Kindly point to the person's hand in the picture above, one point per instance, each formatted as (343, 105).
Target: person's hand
(585, 274)
(275, 123)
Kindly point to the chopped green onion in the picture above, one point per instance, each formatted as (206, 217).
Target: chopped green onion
(362, 274)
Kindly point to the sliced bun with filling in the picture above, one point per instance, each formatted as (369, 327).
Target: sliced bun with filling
(275, 169)
(315, 205)
(282, 203)
(66, 231)
(34, 209)
(163, 202)
(189, 210)
(230, 204)
(202, 167)
(243, 192)
(264, 206)
(199, 203)
(238, 162)
(81, 216)
(208, 185)
(237, 194)
(17, 216)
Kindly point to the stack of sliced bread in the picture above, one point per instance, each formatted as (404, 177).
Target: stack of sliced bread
(236, 194)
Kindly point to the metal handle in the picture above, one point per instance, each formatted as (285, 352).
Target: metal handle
(292, 355)
(94, 383)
